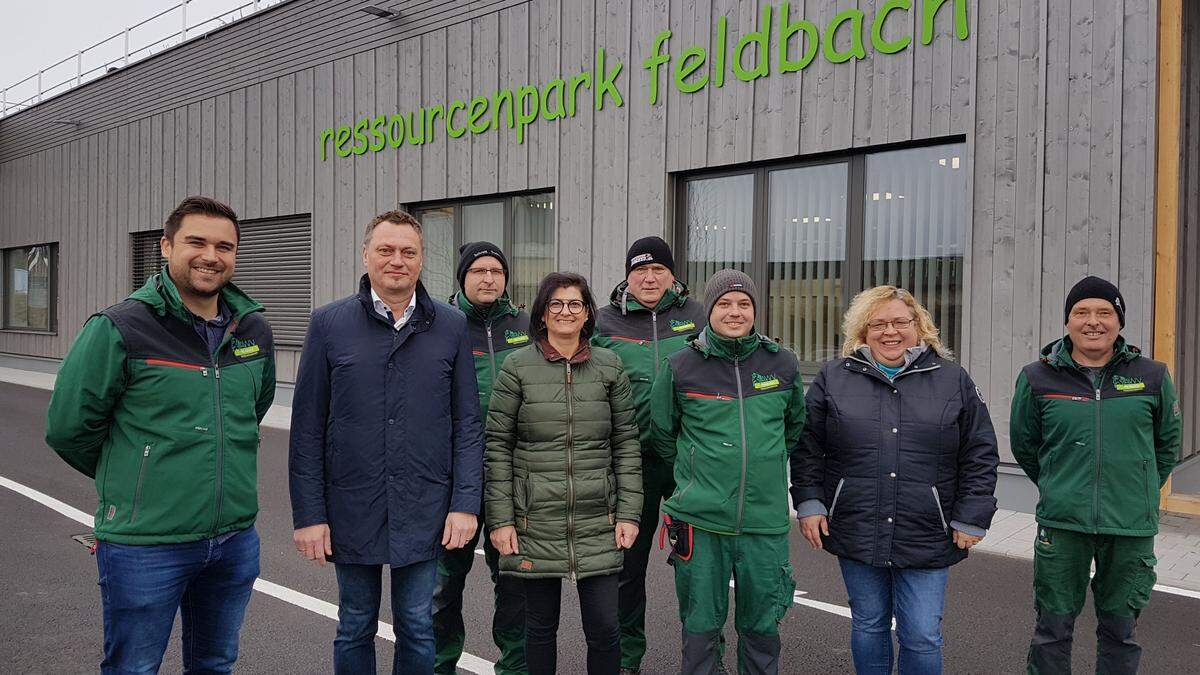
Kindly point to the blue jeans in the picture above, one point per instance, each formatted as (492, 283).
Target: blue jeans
(915, 597)
(209, 582)
(359, 588)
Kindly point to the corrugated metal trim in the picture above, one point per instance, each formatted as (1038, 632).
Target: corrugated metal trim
(274, 266)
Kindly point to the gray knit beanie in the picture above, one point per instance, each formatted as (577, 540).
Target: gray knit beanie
(726, 281)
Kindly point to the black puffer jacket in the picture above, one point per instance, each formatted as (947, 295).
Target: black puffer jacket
(895, 462)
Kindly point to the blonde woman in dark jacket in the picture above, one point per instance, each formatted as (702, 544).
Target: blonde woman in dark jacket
(895, 476)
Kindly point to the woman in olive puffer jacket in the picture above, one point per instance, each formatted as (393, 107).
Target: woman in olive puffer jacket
(563, 466)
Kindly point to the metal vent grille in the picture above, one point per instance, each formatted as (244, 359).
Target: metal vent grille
(274, 266)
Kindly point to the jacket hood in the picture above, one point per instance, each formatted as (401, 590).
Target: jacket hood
(161, 294)
(503, 306)
(623, 300)
(1058, 353)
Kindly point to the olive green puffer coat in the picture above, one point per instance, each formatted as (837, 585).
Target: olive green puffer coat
(563, 461)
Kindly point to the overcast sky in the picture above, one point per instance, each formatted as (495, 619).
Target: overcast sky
(35, 34)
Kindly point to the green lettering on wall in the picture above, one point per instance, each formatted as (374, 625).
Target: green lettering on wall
(554, 93)
(378, 138)
(583, 79)
(396, 130)
(762, 54)
(877, 40)
(691, 60)
(722, 45)
(341, 141)
(479, 106)
(606, 82)
(808, 51)
(656, 61)
(857, 50)
(435, 111)
(451, 130)
(360, 136)
(416, 123)
(502, 98)
(527, 111)
(326, 136)
(931, 8)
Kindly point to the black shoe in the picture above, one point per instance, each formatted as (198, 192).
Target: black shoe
(630, 671)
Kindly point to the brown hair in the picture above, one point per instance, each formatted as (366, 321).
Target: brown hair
(552, 282)
(396, 217)
(203, 206)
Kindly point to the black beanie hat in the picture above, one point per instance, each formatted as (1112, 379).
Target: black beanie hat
(1095, 287)
(649, 250)
(470, 251)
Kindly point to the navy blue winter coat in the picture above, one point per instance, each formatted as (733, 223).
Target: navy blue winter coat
(895, 462)
(386, 435)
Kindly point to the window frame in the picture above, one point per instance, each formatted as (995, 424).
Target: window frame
(506, 199)
(51, 292)
(856, 180)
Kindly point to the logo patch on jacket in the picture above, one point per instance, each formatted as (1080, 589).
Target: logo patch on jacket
(514, 337)
(244, 348)
(1128, 383)
(764, 381)
(526, 565)
(678, 325)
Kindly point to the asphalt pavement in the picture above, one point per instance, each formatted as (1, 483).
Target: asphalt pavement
(50, 615)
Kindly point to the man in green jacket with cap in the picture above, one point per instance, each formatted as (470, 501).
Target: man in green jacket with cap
(648, 318)
(497, 328)
(728, 412)
(1096, 426)
(159, 400)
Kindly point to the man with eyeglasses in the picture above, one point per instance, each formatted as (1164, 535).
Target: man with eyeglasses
(496, 328)
(1096, 426)
(648, 318)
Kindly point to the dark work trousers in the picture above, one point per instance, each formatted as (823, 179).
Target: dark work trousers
(598, 608)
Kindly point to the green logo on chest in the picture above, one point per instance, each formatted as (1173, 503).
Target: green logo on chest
(244, 348)
(1128, 383)
(513, 337)
(679, 325)
(764, 381)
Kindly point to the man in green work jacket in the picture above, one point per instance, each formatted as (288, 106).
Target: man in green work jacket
(1096, 426)
(497, 327)
(727, 412)
(159, 401)
(648, 318)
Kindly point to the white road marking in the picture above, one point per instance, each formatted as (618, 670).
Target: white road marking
(468, 662)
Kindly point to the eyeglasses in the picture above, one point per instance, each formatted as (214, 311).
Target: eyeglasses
(572, 306)
(484, 271)
(898, 324)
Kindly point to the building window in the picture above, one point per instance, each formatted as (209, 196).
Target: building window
(29, 287)
(274, 266)
(813, 234)
(523, 225)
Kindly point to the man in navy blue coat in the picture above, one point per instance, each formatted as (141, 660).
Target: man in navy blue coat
(386, 457)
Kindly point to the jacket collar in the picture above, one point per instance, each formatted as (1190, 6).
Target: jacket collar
(1058, 353)
(161, 294)
(500, 308)
(911, 355)
(551, 354)
(708, 343)
(623, 300)
(423, 316)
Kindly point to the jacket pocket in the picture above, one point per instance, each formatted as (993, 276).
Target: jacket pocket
(837, 492)
(1141, 581)
(610, 496)
(691, 475)
(520, 487)
(1151, 479)
(937, 501)
(137, 490)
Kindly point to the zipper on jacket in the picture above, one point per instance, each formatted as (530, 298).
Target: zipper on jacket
(137, 491)
(737, 371)
(937, 500)
(1099, 449)
(654, 337)
(491, 350)
(220, 447)
(691, 472)
(837, 492)
(570, 479)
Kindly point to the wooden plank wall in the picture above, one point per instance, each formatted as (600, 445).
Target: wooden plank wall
(1187, 367)
(1055, 101)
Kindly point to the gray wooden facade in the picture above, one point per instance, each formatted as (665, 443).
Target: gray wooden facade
(1055, 100)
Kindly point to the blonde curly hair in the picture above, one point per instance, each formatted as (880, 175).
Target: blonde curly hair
(865, 304)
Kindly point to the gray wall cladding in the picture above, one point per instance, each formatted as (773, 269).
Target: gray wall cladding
(1056, 102)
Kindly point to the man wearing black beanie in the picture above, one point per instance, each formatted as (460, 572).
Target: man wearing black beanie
(496, 328)
(1096, 426)
(648, 318)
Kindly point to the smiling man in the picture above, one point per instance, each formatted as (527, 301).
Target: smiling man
(1096, 426)
(727, 412)
(160, 399)
(386, 456)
